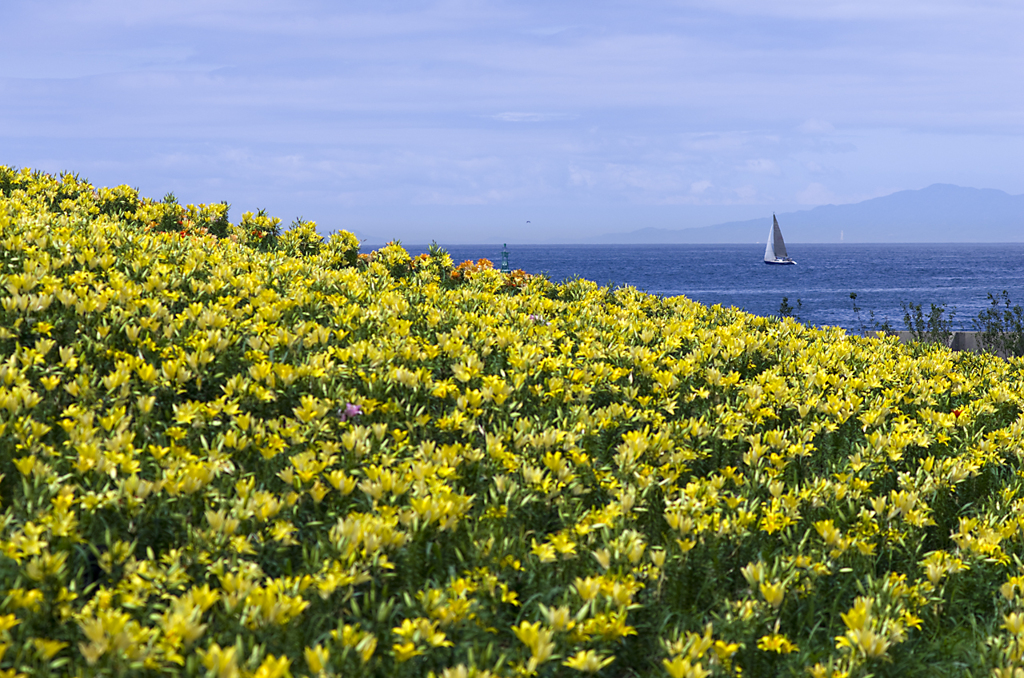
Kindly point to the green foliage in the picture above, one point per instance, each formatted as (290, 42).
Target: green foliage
(936, 327)
(786, 310)
(166, 216)
(119, 201)
(394, 259)
(1001, 327)
(341, 250)
(259, 231)
(301, 239)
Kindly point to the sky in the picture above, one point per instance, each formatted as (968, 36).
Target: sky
(519, 122)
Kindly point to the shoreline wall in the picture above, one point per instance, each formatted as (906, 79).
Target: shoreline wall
(959, 341)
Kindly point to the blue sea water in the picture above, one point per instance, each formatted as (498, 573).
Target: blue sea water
(882, 276)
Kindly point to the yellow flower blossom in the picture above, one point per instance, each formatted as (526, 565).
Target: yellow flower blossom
(48, 648)
(588, 661)
(316, 658)
(776, 642)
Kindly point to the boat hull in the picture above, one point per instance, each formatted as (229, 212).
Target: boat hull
(781, 262)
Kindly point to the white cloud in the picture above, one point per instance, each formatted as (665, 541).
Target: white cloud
(859, 9)
(531, 117)
(762, 166)
(657, 181)
(549, 31)
(448, 198)
(747, 194)
(815, 126)
(581, 177)
(815, 194)
(700, 186)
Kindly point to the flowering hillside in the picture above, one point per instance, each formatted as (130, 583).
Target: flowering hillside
(228, 450)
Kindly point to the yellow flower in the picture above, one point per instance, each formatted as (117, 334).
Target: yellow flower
(588, 661)
(776, 642)
(773, 593)
(508, 596)
(8, 622)
(527, 633)
(538, 639)
(545, 552)
(406, 651)
(25, 465)
(203, 596)
(725, 650)
(1014, 623)
(48, 648)
(220, 661)
(366, 647)
(282, 532)
(559, 618)
(587, 588)
(316, 658)
(563, 544)
(682, 667)
(273, 667)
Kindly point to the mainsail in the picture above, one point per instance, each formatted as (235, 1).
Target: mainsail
(779, 243)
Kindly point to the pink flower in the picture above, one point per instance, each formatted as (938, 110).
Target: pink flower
(350, 411)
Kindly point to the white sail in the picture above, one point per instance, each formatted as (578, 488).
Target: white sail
(769, 248)
(780, 244)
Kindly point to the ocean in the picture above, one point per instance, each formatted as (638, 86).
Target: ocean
(884, 277)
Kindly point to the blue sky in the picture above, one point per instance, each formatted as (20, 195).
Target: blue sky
(460, 121)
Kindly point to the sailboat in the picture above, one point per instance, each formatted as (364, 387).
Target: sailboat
(775, 250)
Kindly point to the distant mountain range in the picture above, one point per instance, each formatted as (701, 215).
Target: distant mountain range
(938, 213)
